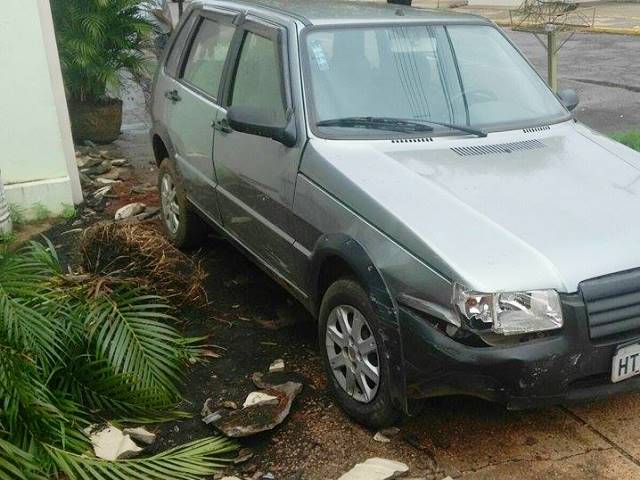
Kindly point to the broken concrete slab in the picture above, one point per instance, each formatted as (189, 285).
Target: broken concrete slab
(259, 398)
(141, 434)
(276, 366)
(376, 469)
(111, 443)
(260, 418)
(130, 210)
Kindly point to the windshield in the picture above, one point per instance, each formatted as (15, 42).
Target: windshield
(460, 75)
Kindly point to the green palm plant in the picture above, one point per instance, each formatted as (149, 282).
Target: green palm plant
(74, 353)
(97, 41)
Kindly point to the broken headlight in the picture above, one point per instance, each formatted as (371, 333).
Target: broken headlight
(509, 313)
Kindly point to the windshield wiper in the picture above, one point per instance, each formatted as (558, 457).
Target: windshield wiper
(384, 123)
(391, 123)
(462, 128)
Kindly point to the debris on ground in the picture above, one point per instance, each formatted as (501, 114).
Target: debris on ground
(259, 398)
(142, 253)
(111, 443)
(376, 469)
(244, 455)
(262, 417)
(130, 210)
(276, 366)
(384, 436)
(141, 434)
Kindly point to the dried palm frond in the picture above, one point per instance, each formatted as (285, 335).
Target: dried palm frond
(140, 253)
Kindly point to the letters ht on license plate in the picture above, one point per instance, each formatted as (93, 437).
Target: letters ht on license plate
(626, 363)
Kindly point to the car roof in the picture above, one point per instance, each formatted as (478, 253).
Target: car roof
(340, 12)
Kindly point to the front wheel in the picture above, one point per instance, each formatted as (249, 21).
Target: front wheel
(183, 227)
(351, 347)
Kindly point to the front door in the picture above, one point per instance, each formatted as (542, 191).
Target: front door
(256, 175)
(193, 107)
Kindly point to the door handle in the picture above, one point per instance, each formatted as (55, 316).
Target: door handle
(173, 95)
(222, 126)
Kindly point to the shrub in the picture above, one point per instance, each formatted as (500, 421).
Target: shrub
(97, 41)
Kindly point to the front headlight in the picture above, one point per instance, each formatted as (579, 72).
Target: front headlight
(509, 313)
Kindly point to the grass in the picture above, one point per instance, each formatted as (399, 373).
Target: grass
(629, 138)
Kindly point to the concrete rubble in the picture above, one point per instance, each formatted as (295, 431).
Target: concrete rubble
(259, 417)
(130, 210)
(111, 443)
(141, 435)
(376, 469)
(259, 398)
(276, 366)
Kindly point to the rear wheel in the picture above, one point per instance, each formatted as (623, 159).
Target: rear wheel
(351, 348)
(183, 227)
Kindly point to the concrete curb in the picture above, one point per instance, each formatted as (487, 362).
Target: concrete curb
(611, 30)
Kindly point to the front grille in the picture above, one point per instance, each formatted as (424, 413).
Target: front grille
(613, 304)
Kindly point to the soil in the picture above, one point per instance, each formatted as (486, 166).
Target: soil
(252, 321)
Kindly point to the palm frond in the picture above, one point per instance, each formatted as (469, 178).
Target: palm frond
(187, 462)
(18, 464)
(130, 330)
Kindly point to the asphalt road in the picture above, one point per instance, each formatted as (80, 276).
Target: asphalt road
(603, 69)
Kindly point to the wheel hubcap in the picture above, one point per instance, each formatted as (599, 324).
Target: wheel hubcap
(170, 207)
(353, 353)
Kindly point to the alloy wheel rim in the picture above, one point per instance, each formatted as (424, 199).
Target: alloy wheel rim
(170, 207)
(352, 352)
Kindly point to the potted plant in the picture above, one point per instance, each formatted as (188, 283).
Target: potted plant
(99, 41)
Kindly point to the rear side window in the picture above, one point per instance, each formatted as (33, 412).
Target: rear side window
(178, 46)
(207, 56)
(258, 78)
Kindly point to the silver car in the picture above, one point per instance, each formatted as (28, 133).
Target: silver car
(413, 182)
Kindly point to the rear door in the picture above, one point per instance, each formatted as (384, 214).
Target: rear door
(256, 175)
(193, 104)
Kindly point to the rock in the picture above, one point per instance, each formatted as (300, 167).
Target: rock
(230, 478)
(243, 455)
(113, 174)
(130, 210)
(119, 162)
(100, 169)
(206, 408)
(385, 435)
(376, 469)
(277, 366)
(214, 416)
(381, 437)
(258, 380)
(229, 404)
(259, 398)
(106, 181)
(263, 417)
(148, 213)
(112, 444)
(141, 435)
(102, 191)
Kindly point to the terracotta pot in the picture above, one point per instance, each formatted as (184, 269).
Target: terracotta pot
(98, 122)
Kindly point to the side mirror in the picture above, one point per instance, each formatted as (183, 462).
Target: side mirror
(569, 98)
(257, 121)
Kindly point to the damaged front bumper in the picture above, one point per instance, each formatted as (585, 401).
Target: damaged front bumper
(565, 367)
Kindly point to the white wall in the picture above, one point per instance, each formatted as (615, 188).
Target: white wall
(37, 160)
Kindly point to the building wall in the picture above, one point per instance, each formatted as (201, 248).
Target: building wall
(37, 160)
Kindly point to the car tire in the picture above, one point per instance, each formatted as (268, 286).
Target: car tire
(183, 227)
(347, 299)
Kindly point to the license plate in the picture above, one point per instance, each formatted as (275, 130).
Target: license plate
(626, 363)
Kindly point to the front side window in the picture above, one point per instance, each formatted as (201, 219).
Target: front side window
(207, 56)
(464, 75)
(258, 78)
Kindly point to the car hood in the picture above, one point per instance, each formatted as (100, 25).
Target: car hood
(548, 213)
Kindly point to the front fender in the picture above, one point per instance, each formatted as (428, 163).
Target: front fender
(353, 254)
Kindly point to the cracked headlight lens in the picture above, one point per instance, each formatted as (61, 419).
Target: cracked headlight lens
(509, 313)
